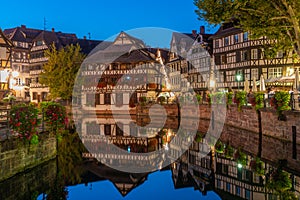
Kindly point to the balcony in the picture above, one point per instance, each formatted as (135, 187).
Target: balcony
(36, 60)
(37, 85)
(35, 72)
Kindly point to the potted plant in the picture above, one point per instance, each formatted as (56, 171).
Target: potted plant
(240, 157)
(219, 147)
(280, 102)
(229, 151)
(199, 98)
(240, 99)
(229, 96)
(257, 166)
(258, 100)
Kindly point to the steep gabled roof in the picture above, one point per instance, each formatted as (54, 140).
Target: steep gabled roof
(181, 41)
(136, 56)
(22, 34)
(124, 182)
(122, 45)
(125, 39)
(4, 41)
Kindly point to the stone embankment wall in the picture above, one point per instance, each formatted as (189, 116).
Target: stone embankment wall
(15, 156)
(31, 183)
(278, 140)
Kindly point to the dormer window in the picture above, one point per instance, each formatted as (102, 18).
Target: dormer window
(39, 43)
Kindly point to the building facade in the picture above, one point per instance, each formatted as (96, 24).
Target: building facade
(28, 58)
(117, 76)
(235, 53)
(5, 64)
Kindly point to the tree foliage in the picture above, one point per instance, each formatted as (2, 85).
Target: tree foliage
(60, 71)
(278, 20)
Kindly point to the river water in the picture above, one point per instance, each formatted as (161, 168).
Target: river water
(226, 172)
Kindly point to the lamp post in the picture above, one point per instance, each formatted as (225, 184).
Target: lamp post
(238, 78)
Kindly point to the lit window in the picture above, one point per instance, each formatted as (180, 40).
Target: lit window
(254, 74)
(274, 72)
(254, 54)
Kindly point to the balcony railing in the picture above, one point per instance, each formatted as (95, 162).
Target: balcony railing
(37, 85)
(35, 72)
(35, 60)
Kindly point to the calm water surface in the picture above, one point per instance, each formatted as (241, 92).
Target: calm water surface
(218, 175)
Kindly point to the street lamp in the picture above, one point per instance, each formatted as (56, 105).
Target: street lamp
(238, 78)
(212, 84)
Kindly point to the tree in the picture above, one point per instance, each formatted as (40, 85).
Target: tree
(278, 20)
(60, 71)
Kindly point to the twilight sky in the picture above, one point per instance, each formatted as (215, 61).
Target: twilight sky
(101, 18)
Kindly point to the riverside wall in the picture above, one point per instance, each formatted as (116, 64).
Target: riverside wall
(276, 140)
(17, 156)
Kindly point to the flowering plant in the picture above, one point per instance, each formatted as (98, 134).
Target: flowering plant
(240, 157)
(55, 115)
(257, 166)
(23, 120)
(240, 99)
(280, 102)
(259, 100)
(229, 98)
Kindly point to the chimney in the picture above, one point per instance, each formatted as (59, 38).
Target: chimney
(202, 29)
(23, 26)
(84, 37)
(53, 30)
(194, 32)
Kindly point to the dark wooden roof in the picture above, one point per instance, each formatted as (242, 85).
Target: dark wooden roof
(136, 56)
(88, 45)
(225, 30)
(6, 42)
(22, 34)
(60, 39)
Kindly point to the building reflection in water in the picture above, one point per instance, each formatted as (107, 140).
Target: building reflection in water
(127, 146)
(195, 168)
(217, 172)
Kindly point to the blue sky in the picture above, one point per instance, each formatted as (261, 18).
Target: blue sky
(101, 18)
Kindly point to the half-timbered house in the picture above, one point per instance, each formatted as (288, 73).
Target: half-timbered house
(28, 57)
(118, 75)
(5, 64)
(235, 53)
(199, 57)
